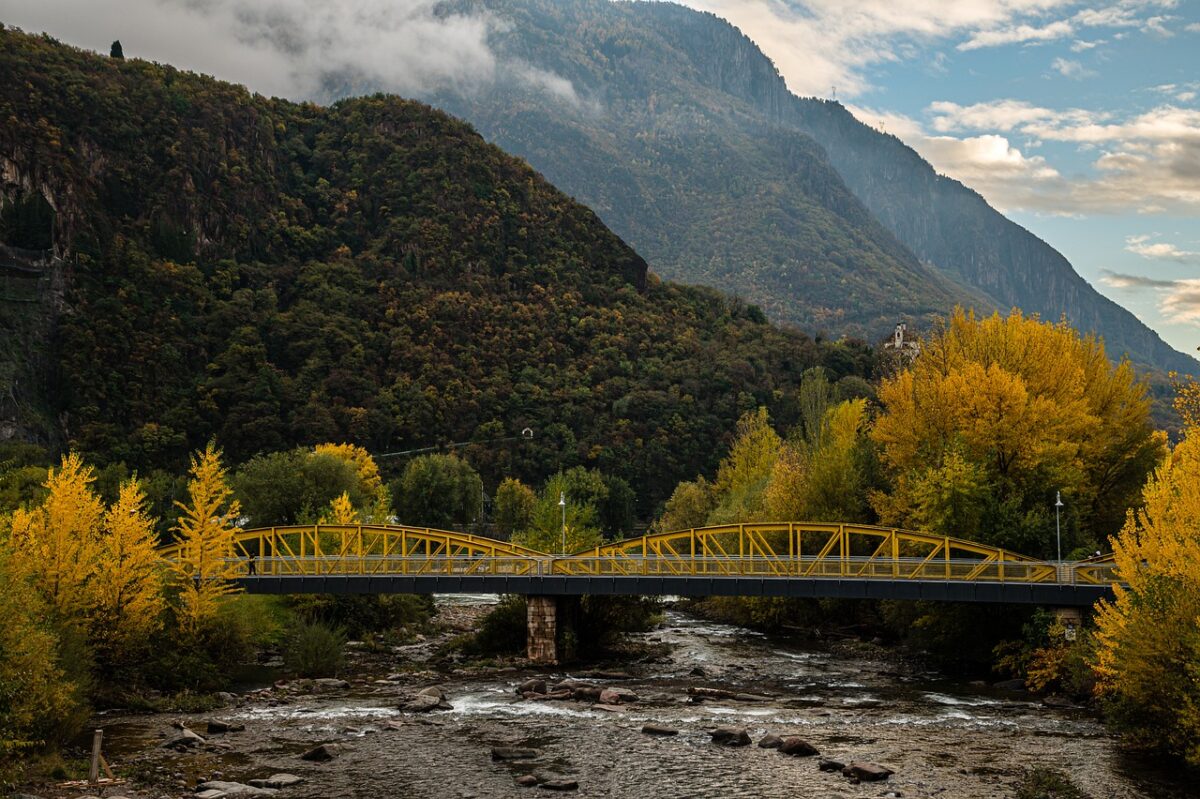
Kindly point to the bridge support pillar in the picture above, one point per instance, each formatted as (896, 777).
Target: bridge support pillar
(550, 628)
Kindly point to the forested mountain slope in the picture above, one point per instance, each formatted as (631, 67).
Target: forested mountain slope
(274, 274)
(684, 138)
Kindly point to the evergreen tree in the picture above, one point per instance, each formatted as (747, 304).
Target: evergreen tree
(115, 51)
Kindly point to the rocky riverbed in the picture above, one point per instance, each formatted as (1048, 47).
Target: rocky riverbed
(844, 723)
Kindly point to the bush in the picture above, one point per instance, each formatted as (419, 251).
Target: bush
(501, 632)
(1048, 783)
(358, 615)
(315, 649)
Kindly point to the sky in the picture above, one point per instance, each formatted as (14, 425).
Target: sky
(1079, 119)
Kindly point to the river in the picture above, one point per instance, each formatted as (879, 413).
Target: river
(942, 738)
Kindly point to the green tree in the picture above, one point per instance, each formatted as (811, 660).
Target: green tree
(513, 507)
(744, 474)
(548, 530)
(689, 506)
(297, 486)
(116, 51)
(438, 491)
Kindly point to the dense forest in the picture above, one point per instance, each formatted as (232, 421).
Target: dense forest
(272, 274)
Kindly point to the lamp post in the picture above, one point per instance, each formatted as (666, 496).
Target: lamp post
(562, 503)
(1058, 503)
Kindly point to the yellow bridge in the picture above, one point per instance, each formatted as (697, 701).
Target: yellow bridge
(773, 559)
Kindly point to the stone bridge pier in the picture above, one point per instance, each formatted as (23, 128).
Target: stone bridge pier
(551, 623)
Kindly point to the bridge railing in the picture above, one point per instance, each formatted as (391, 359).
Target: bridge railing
(963, 570)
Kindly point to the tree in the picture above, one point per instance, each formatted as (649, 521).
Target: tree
(689, 506)
(116, 51)
(438, 491)
(743, 475)
(513, 507)
(370, 482)
(1148, 655)
(341, 511)
(36, 698)
(547, 532)
(127, 597)
(205, 531)
(1029, 408)
(59, 539)
(297, 486)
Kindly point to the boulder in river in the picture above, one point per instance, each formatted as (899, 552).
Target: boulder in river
(770, 741)
(731, 736)
(513, 753)
(710, 693)
(330, 684)
(224, 725)
(432, 690)
(527, 781)
(659, 729)
(322, 753)
(424, 703)
(278, 781)
(828, 764)
(183, 739)
(797, 746)
(534, 686)
(617, 696)
(559, 785)
(1010, 685)
(866, 772)
(587, 693)
(233, 789)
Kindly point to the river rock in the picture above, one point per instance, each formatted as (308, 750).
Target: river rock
(770, 742)
(330, 684)
(432, 690)
(183, 739)
(607, 708)
(798, 747)
(559, 785)
(423, 703)
(233, 789)
(513, 753)
(658, 729)
(534, 686)
(587, 693)
(224, 725)
(827, 764)
(211, 793)
(731, 736)
(227, 698)
(1010, 685)
(867, 772)
(1056, 701)
(322, 753)
(710, 693)
(278, 781)
(617, 696)
(526, 781)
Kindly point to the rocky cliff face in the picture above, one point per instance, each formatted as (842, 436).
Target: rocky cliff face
(685, 140)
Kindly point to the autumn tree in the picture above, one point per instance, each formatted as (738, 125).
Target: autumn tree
(689, 506)
(59, 539)
(341, 511)
(743, 475)
(512, 509)
(1148, 655)
(370, 481)
(206, 566)
(127, 595)
(1014, 409)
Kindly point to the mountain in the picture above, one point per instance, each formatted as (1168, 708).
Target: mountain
(683, 137)
(202, 262)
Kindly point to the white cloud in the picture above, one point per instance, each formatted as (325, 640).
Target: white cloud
(297, 48)
(1160, 250)
(1080, 45)
(1193, 27)
(1070, 69)
(1019, 34)
(1179, 300)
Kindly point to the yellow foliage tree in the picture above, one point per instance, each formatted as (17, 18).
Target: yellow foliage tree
(368, 474)
(822, 480)
(1030, 407)
(341, 511)
(58, 540)
(206, 566)
(743, 475)
(1148, 655)
(127, 596)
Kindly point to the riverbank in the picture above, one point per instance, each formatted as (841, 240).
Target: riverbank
(939, 737)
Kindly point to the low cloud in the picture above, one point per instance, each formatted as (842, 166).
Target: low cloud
(301, 49)
(1179, 300)
(1160, 250)
(1070, 69)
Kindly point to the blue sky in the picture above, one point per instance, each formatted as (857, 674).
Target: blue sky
(1079, 120)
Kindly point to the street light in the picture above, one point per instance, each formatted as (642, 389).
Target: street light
(562, 503)
(1058, 503)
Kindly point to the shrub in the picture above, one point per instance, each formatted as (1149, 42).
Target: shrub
(315, 649)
